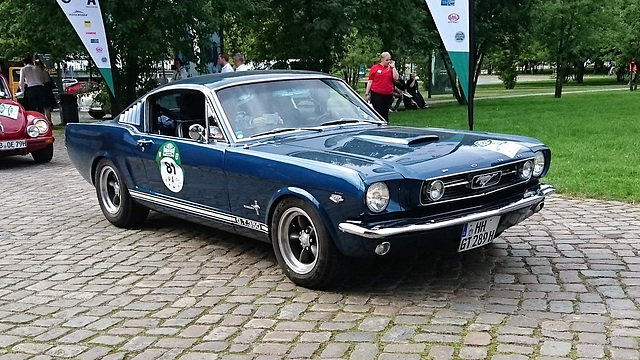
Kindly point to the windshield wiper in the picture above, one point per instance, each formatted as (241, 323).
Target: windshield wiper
(281, 130)
(347, 121)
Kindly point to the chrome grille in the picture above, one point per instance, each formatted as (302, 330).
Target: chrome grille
(476, 183)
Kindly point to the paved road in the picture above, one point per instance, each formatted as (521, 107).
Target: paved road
(566, 284)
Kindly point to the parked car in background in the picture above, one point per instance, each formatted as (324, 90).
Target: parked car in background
(81, 87)
(299, 160)
(68, 82)
(23, 132)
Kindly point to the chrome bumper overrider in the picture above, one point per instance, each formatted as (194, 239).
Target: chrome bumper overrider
(530, 199)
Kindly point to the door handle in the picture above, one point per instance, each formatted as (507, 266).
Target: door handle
(144, 142)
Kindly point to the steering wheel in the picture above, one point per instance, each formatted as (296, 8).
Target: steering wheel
(322, 118)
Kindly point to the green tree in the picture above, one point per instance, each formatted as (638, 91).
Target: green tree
(140, 33)
(139, 42)
(569, 29)
(499, 25)
(38, 27)
(626, 36)
(359, 51)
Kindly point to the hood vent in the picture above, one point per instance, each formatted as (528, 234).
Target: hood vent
(399, 141)
(423, 139)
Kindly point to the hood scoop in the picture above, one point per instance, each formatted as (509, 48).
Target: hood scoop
(399, 141)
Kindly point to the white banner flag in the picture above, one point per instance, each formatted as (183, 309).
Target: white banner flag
(452, 20)
(86, 18)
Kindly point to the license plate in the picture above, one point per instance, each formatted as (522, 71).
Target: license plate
(13, 145)
(478, 233)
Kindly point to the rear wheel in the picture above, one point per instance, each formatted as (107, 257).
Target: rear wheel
(43, 156)
(303, 247)
(114, 198)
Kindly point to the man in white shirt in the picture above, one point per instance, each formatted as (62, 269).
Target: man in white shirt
(223, 60)
(238, 60)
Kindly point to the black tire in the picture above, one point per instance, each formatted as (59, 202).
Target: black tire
(305, 251)
(114, 198)
(43, 156)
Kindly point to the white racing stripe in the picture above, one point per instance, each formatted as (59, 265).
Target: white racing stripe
(199, 210)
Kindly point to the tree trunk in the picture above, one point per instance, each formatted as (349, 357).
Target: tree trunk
(580, 73)
(454, 83)
(131, 80)
(476, 73)
(559, 79)
(559, 68)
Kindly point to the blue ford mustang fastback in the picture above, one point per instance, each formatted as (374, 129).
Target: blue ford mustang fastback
(299, 160)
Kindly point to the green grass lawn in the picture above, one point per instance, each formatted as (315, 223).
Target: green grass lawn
(594, 137)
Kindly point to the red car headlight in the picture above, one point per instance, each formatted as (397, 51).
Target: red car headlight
(42, 125)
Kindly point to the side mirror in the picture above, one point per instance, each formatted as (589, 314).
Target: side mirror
(196, 132)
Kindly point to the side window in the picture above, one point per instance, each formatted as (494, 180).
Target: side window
(173, 113)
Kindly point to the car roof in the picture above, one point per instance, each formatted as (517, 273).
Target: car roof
(231, 78)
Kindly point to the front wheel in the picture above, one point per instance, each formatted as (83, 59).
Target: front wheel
(44, 155)
(303, 247)
(114, 198)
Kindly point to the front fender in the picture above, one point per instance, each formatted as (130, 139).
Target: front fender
(323, 207)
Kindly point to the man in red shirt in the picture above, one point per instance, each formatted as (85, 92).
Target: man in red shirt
(633, 72)
(380, 85)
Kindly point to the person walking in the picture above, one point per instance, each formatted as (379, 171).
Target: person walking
(379, 91)
(633, 75)
(32, 84)
(223, 60)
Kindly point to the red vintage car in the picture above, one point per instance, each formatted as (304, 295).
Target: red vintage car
(23, 132)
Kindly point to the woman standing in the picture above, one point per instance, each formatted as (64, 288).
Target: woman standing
(49, 98)
(32, 84)
(380, 85)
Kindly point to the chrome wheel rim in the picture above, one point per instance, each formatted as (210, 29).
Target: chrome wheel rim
(110, 191)
(298, 240)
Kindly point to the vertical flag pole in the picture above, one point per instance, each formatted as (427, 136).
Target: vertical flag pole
(472, 63)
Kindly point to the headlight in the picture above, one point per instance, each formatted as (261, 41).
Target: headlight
(435, 190)
(526, 170)
(33, 131)
(538, 164)
(42, 125)
(377, 197)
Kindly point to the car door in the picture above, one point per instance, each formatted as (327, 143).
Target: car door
(184, 176)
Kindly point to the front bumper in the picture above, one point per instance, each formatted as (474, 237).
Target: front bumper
(532, 200)
(33, 144)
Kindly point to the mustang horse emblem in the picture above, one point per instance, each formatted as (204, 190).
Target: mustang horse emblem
(485, 180)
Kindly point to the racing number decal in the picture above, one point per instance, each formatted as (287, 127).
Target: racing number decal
(169, 161)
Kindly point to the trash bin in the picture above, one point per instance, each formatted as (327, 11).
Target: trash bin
(69, 109)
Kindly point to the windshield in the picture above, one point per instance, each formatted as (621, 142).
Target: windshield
(278, 106)
(4, 89)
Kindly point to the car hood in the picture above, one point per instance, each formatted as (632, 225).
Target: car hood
(416, 153)
(12, 124)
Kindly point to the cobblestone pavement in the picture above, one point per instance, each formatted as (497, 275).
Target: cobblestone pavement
(565, 284)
